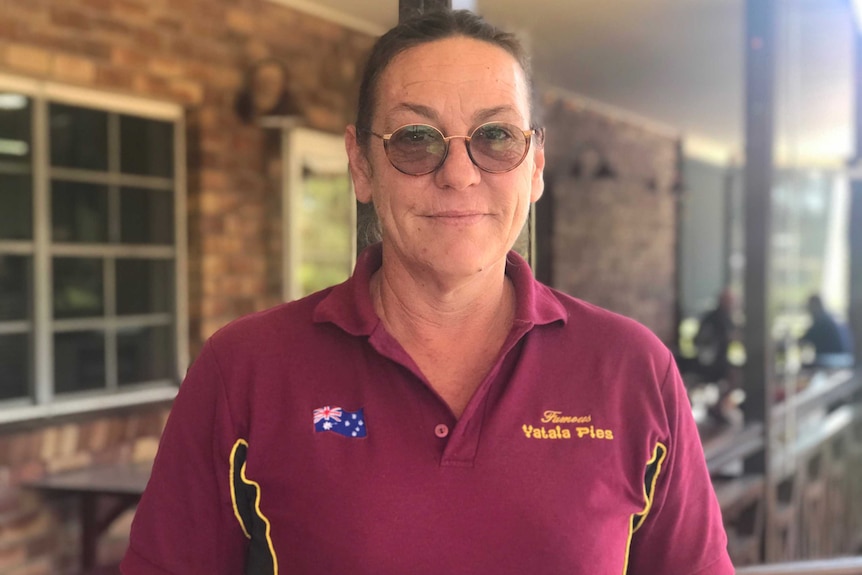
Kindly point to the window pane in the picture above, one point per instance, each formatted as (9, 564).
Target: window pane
(145, 354)
(326, 231)
(15, 287)
(16, 207)
(144, 286)
(146, 216)
(14, 366)
(78, 287)
(79, 137)
(15, 124)
(146, 147)
(79, 361)
(79, 212)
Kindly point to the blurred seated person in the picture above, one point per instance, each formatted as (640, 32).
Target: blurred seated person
(830, 339)
(716, 331)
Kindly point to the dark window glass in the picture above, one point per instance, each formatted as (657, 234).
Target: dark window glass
(144, 286)
(14, 366)
(16, 207)
(146, 147)
(79, 137)
(15, 126)
(146, 216)
(79, 212)
(15, 287)
(79, 361)
(78, 290)
(145, 354)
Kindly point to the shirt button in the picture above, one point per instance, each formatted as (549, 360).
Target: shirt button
(441, 430)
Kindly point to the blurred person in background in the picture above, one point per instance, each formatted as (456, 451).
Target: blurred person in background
(830, 339)
(714, 335)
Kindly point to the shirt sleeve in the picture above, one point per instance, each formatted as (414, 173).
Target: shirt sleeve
(185, 523)
(682, 531)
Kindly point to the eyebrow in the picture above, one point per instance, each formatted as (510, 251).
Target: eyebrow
(432, 115)
(491, 113)
(419, 109)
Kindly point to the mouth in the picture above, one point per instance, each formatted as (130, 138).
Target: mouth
(457, 218)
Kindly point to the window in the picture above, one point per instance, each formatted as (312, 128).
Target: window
(92, 251)
(319, 213)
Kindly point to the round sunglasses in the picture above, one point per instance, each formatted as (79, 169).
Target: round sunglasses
(419, 149)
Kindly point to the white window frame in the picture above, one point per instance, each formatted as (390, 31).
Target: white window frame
(43, 403)
(324, 153)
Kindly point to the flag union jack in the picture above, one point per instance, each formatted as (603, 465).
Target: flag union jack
(327, 413)
(340, 421)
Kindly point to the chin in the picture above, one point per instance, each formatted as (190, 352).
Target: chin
(465, 260)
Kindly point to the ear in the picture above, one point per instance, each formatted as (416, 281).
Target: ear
(537, 180)
(359, 167)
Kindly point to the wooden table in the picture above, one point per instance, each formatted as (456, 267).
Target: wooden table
(105, 492)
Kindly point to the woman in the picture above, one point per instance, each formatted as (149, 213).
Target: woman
(441, 411)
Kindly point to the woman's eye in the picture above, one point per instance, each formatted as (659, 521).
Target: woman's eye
(414, 136)
(496, 133)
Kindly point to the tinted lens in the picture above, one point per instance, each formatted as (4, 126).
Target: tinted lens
(498, 147)
(416, 149)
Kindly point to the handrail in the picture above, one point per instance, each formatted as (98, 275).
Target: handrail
(837, 566)
(732, 444)
(824, 388)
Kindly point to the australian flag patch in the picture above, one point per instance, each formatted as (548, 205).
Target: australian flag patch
(346, 423)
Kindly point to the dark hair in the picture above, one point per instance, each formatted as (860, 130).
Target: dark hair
(436, 25)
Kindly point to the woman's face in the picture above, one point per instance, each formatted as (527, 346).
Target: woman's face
(457, 220)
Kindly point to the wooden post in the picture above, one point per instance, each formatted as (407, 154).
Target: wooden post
(759, 112)
(855, 227)
(408, 8)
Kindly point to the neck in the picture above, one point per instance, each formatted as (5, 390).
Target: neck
(422, 306)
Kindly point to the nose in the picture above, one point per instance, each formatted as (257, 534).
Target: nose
(458, 170)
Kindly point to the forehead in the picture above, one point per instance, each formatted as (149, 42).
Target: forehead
(461, 72)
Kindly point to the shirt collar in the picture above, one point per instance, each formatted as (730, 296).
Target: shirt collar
(350, 307)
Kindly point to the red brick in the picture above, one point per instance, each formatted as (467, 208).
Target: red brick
(112, 77)
(240, 20)
(99, 6)
(69, 462)
(69, 18)
(23, 526)
(27, 59)
(187, 92)
(166, 67)
(30, 471)
(41, 566)
(73, 69)
(127, 57)
(68, 440)
(12, 557)
(129, 10)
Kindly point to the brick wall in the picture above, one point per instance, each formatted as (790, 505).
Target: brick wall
(194, 53)
(613, 240)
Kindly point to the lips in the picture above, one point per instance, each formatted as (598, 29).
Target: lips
(457, 217)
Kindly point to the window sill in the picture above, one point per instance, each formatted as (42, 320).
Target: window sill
(18, 417)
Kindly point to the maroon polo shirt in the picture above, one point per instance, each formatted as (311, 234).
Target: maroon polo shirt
(305, 440)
